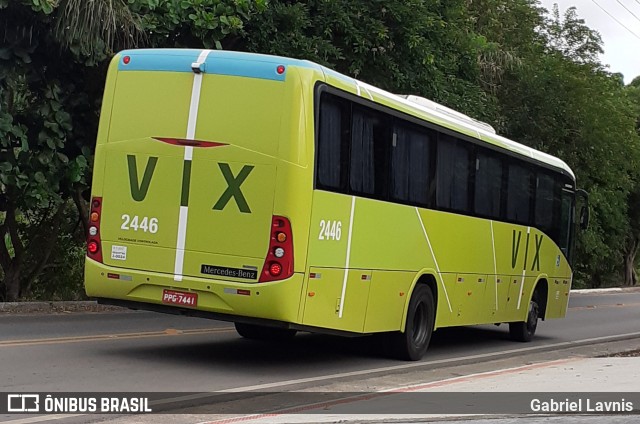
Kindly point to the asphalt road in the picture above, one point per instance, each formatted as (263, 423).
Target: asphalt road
(140, 351)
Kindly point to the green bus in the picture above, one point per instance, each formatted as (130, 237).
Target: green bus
(283, 196)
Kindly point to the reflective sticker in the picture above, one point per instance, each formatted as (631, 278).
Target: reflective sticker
(243, 292)
(119, 277)
(119, 253)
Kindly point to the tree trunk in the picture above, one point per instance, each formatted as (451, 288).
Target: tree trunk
(630, 275)
(46, 246)
(83, 210)
(12, 282)
(11, 264)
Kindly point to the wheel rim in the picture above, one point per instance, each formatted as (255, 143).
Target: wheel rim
(419, 336)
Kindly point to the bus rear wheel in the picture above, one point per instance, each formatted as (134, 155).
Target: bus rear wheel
(260, 332)
(412, 344)
(525, 330)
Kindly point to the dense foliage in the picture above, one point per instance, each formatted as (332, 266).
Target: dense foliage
(534, 76)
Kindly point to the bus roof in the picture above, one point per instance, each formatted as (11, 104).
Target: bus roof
(244, 64)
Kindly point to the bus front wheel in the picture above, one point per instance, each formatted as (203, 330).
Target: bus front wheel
(524, 331)
(412, 344)
(260, 332)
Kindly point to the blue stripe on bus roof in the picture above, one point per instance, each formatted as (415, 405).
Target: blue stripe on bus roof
(218, 62)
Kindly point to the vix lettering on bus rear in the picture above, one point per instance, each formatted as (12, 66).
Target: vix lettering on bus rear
(139, 189)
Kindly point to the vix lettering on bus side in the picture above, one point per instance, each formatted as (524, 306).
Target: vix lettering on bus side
(139, 189)
(515, 250)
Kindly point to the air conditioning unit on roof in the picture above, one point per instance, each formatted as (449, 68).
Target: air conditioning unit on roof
(430, 104)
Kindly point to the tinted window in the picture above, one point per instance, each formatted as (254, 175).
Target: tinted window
(452, 174)
(519, 194)
(488, 185)
(370, 136)
(333, 143)
(410, 165)
(566, 213)
(544, 208)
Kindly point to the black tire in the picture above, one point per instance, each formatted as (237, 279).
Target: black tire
(413, 343)
(525, 330)
(259, 332)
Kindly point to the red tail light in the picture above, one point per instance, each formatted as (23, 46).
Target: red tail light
(278, 264)
(94, 245)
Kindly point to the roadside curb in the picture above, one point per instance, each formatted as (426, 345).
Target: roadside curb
(613, 290)
(56, 306)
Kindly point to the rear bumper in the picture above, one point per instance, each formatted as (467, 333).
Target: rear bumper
(226, 300)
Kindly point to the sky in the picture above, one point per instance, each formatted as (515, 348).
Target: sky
(621, 47)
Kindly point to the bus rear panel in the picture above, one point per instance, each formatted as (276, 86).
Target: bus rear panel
(188, 166)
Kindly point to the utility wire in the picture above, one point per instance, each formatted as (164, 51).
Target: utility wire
(615, 19)
(627, 9)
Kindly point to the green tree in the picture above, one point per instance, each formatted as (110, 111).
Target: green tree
(53, 60)
(561, 100)
(407, 47)
(48, 116)
(633, 237)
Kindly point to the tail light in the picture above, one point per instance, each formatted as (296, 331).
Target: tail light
(94, 245)
(278, 264)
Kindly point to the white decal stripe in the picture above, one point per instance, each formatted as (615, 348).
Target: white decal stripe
(182, 236)
(188, 155)
(525, 268)
(495, 268)
(195, 97)
(433, 255)
(346, 265)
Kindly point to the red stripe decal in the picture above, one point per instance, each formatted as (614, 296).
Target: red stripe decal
(187, 142)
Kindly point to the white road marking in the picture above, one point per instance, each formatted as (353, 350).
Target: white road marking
(427, 363)
(400, 367)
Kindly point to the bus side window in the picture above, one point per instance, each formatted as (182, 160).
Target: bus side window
(370, 134)
(332, 146)
(519, 194)
(488, 185)
(544, 207)
(566, 222)
(452, 175)
(410, 165)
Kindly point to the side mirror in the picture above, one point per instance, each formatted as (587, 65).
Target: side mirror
(584, 210)
(584, 217)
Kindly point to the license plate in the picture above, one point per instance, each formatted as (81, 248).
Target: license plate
(180, 298)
